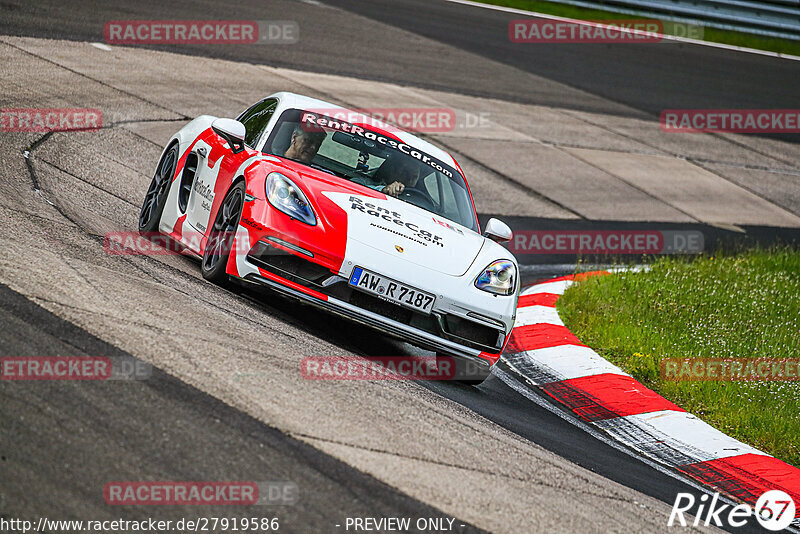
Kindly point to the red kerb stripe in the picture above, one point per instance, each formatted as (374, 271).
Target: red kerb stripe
(538, 299)
(606, 396)
(538, 336)
(747, 476)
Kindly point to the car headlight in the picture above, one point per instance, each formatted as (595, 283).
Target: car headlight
(499, 278)
(285, 196)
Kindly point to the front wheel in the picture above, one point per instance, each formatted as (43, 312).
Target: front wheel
(220, 239)
(156, 197)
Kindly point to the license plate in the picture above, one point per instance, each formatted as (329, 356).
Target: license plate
(392, 290)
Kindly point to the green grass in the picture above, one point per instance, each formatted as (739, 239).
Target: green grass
(746, 305)
(747, 40)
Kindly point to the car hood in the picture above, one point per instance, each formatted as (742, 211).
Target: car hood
(408, 233)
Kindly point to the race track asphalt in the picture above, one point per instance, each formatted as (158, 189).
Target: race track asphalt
(370, 40)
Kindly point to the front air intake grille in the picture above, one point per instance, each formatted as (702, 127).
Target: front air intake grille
(299, 270)
(392, 311)
(472, 333)
(381, 307)
(287, 265)
(454, 328)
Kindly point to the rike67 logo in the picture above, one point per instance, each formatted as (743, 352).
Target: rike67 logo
(774, 510)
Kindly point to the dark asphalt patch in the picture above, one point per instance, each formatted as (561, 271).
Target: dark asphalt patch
(715, 239)
(646, 77)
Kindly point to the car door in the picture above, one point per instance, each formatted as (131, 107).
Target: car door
(218, 164)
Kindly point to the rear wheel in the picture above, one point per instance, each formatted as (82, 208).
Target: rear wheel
(221, 236)
(461, 370)
(156, 197)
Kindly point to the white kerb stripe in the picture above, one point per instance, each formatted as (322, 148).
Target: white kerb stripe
(556, 288)
(686, 432)
(528, 315)
(572, 361)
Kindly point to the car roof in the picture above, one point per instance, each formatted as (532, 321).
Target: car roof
(294, 100)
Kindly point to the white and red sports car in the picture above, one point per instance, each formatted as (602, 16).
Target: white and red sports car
(354, 216)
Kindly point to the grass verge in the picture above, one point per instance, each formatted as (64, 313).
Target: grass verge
(746, 40)
(746, 305)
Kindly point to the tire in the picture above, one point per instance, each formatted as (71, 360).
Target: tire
(221, 235)
(466, 372)
(156, 197)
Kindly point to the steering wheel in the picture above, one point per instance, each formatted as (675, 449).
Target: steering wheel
(418, 198)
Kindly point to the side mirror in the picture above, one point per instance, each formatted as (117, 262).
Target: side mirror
(232, 131)
(497, 230)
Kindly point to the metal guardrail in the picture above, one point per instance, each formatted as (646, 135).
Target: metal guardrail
(773, 18)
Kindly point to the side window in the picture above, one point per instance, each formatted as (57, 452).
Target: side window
(255, 120)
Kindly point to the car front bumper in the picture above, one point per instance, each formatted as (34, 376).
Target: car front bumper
(386, 325)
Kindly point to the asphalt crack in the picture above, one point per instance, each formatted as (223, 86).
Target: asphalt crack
(491, 473)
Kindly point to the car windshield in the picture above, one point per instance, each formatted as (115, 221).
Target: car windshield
(372, 159)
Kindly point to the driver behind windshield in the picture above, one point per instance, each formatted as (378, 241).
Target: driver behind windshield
(304, 144)
(394, 176)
